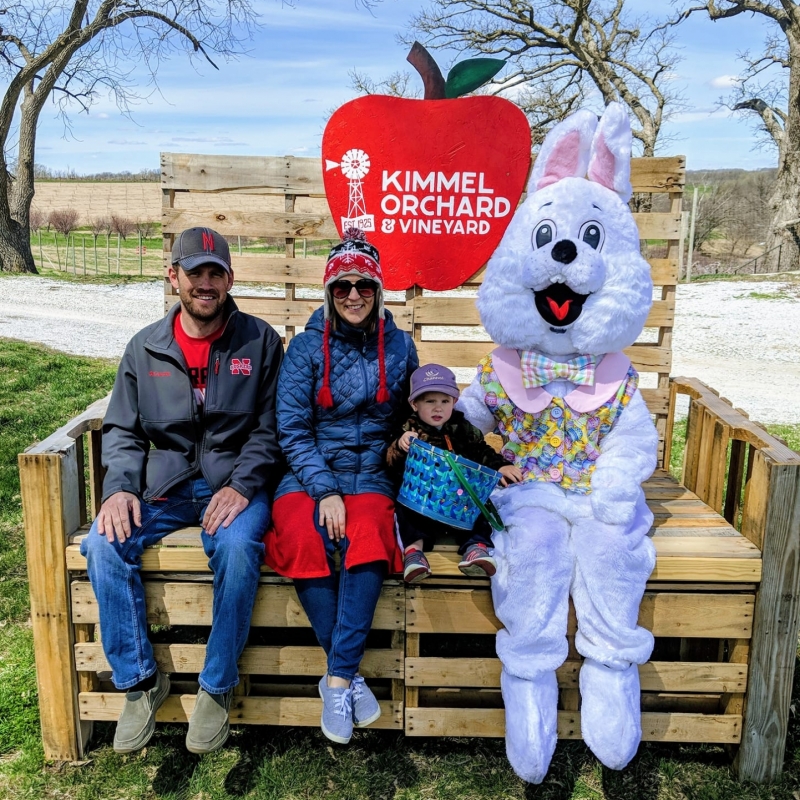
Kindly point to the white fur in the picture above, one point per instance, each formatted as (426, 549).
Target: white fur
(558, 543)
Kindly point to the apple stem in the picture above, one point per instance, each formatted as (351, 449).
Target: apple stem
(428, 70)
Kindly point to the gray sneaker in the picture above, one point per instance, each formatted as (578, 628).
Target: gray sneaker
(138, 718)
(365, 707)
(337, 712)
(209, 726)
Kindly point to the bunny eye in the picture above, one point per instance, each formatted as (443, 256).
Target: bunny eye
(544, 234)
(592, 234)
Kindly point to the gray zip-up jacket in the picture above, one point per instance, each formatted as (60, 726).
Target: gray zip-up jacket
(154, 434)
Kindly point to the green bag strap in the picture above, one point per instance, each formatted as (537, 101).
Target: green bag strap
(493, 519)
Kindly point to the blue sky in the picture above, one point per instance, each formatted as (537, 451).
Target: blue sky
(275, 101)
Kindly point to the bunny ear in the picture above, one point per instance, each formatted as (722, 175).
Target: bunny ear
(610, 162)
(564, 152)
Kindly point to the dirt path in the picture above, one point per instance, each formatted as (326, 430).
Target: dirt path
(741, 338)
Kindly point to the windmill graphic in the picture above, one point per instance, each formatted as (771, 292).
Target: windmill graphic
(354, 166)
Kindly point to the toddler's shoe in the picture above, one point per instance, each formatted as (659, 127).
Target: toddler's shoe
(415, 566)
(337, 712)
(365, 707)
(477, 562)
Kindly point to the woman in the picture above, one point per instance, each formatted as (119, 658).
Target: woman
(343, 383)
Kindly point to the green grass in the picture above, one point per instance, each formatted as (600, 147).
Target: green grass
(39, 390)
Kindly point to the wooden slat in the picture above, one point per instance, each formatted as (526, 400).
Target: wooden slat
(656, 726)
(658, 225)
(657, 400)
(300, 661)
(434, 310)
(221, 173)
(658, 175)
(690, 615)
(278, 269)
(251, 223)
(303, 176)
(774, 643)
(107, 706)
(278, 311)
(710, 568)
(654, 676)
(276, 606)
(50, 486)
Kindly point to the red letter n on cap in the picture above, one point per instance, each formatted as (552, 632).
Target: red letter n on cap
(208, 241)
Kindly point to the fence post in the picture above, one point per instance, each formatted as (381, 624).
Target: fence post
(690, 259)
(83, 248)
(780, 250)
(140, 252)
(239, 240)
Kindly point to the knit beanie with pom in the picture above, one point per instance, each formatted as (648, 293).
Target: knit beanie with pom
(354, 256)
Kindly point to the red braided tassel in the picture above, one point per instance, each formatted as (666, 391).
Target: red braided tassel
(325, 396)
(383, 393)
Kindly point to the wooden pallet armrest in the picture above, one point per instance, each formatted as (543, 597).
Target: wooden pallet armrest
(753, 478)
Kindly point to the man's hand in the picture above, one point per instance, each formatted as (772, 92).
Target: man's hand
(114, 516)
(404, 442)
(332, 516)
(511, 474)
(223, 509)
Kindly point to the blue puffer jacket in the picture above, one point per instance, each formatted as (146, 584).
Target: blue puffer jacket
(341, 450)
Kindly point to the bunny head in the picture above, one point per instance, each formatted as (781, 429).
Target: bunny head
(568, 276)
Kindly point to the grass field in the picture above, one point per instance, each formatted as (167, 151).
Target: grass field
(39, 390)
(81, 255)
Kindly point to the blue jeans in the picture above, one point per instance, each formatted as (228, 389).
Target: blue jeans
(235, 554)
(340, 608)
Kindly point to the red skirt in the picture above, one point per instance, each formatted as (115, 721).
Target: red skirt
(294, 545)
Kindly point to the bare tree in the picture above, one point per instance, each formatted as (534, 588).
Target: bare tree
(398, 84)
(37, 219)
(769, 91)
(75, 51)
(100, 225)
(564, 53)
(122, 226)
(144, 228)
(64, 220)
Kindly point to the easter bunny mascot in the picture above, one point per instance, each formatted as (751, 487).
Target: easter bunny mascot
(565, 292)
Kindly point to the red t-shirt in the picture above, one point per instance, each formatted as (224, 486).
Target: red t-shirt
(195, 353)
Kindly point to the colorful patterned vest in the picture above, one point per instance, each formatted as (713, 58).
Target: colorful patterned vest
(557, 444)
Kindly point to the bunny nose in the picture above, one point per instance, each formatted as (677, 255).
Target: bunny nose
(564, 251)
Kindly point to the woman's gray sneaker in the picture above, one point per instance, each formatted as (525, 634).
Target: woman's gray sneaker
(365, 707)
(337, 712)
(137, 722)
(209, 726)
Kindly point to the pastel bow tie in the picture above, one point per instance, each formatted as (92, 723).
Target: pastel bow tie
(539, 370)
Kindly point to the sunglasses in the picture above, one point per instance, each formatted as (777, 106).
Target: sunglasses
(365, 288)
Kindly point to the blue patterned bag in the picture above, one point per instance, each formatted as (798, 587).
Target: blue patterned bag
(446, 487)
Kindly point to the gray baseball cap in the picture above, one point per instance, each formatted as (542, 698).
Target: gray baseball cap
(197, 246)
(433, 378)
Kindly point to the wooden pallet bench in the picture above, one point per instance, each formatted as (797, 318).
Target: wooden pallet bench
(722, 602)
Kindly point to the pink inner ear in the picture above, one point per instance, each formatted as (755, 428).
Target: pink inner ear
(603, 163)
(563, 160)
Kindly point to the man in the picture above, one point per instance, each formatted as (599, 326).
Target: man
(189, 438)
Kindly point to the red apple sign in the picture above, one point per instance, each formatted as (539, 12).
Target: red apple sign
(432, 183)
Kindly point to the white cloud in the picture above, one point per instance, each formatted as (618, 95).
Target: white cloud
(102, 115)
(125, 142)
(724, 81)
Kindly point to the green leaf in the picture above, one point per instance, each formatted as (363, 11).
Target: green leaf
(467, 76)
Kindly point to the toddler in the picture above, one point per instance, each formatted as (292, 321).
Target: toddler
(434, 392)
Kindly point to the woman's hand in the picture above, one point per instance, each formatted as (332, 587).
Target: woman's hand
(332, 516)
(511, 474)
(404, 442)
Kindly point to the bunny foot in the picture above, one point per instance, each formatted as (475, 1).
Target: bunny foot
(611, 719)
(531, 720)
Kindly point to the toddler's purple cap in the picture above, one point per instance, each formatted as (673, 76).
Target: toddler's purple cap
(433, 378)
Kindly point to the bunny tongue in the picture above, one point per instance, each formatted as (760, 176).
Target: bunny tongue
(559, 305)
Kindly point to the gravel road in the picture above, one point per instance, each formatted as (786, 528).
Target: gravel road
(739, 338)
